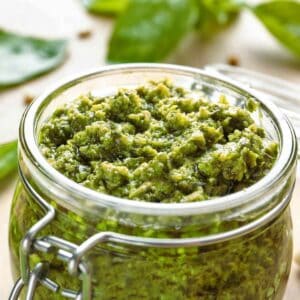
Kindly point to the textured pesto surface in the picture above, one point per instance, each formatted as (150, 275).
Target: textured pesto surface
(157, 143)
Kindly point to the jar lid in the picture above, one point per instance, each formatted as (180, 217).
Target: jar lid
(284, 94)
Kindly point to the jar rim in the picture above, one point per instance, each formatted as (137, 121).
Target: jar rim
(288, 150)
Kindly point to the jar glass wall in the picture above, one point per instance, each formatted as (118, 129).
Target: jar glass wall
(244, 240)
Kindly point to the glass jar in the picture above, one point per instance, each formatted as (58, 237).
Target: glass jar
(68, 241)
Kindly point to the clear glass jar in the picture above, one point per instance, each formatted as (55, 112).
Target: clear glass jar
(69, 241)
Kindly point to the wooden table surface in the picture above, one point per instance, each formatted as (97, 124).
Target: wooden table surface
(247, 39)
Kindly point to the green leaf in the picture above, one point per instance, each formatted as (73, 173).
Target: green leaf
(282, 19)
(23, 58)
(150, 29)
(8, 158)
(108, 7)
(215, 15)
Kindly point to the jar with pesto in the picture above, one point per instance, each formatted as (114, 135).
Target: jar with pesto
(152, 181)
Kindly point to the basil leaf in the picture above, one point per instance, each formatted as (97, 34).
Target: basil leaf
(8, 158)
(23, 58)
(215, 15)
(149, 29)
(109, 7)
(282, 19)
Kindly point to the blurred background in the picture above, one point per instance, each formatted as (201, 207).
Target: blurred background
(42, 42)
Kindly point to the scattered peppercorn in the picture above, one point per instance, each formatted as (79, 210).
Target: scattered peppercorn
(84, 34)
(233, 60)
(28, 98)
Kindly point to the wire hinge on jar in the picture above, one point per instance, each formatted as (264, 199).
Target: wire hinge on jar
(50, 244)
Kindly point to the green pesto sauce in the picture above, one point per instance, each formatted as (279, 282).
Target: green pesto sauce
(158, 143)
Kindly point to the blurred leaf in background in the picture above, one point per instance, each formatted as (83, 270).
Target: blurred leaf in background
(215, 15)
(282, 19)
(23, 58)
(109, 7)
(8, 158)
(149, 30)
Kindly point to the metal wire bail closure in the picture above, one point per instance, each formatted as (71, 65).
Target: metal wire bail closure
(63, 249)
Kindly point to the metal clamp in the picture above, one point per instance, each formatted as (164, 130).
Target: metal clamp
(73, 255)
(49, 244)
(37, 273)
